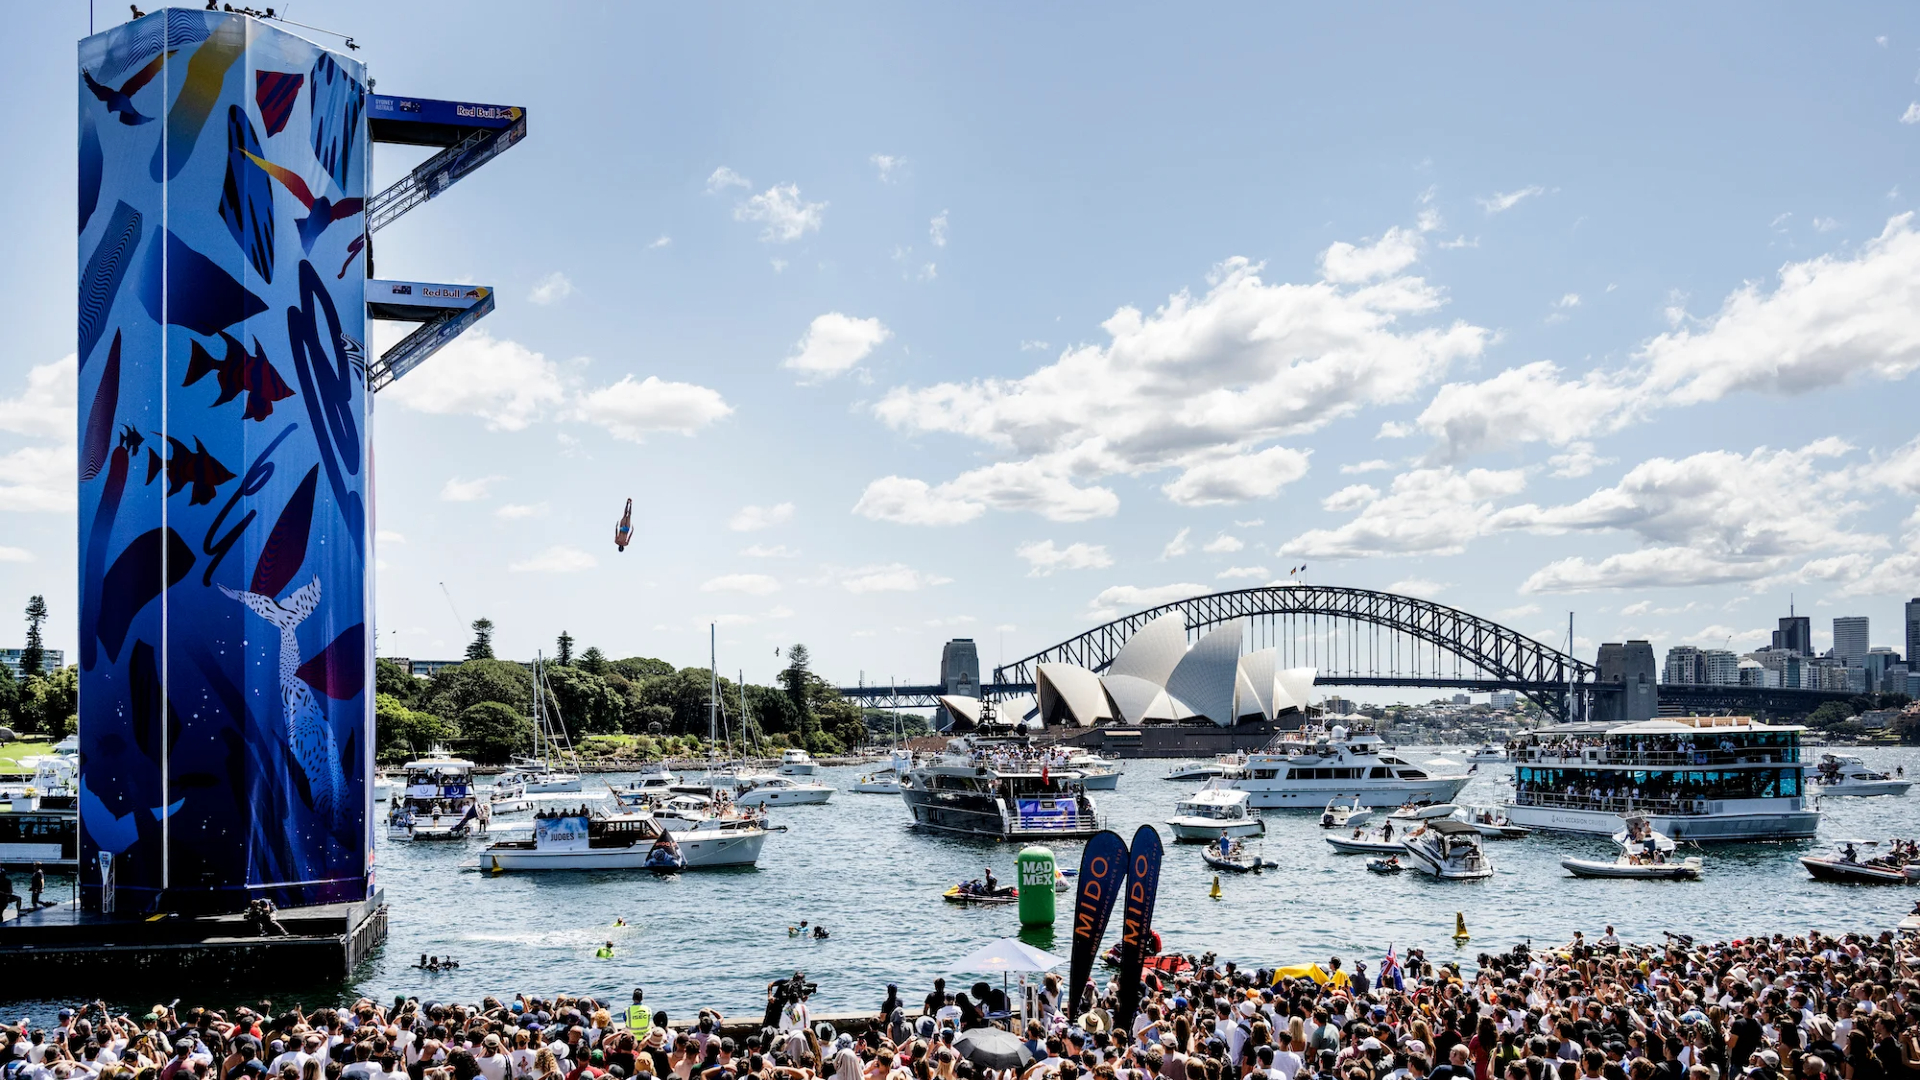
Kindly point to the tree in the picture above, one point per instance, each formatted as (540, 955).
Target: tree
(9, 699)
(492, 733)
(641, 668)
(796, 679)
(593, 661)
(482, 646)
(456, 689)
(49, 703)
(563, 649)
(1829, 714)
(395, 681)
(400, 733)
(34, 656)
(588, 706)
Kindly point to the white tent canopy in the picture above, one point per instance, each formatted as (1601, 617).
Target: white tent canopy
(1007, 955)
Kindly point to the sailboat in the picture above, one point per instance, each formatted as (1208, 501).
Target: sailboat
(537, 774)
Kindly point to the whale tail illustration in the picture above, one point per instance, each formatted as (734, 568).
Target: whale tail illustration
(310, 739)
(283, 614)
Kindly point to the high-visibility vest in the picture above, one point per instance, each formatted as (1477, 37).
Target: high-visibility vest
(639, 1020)
(604, 952)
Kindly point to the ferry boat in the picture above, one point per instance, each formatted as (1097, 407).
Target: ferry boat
(991, 786)
(797, 762)
(1448, 849)
(1305, 769)
(1212, 812)
(39, 818)
(568, 840)
(1701, 778)
(436, 801)
(1845, 774)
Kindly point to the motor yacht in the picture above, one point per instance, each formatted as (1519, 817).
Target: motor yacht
(890, 780)
(797, 762)
(995, 786)
(1367, 842)
(1206, 770)
(1212, 812)
(437, 800)
(1492, 822)
(1846, 774)
(1487, 754)
(1417, 812)
(536, 778)
(509, 795)
(1305, 768)
(567, 840)
(1096, 773)
(1448, 849)
(782, 791)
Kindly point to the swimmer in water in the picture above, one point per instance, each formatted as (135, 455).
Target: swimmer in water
(796, 931)
(619, 921)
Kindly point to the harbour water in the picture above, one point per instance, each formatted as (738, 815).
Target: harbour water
(855, 865)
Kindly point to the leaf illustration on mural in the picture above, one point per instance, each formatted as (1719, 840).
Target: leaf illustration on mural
(134, 581)
(276, 92)
(334, 115)
(93, 164)
(286, 547)
(100, 278)
(106, 398)
(246, 196)
(200, 294)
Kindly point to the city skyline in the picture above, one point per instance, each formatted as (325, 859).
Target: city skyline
(1010, 339)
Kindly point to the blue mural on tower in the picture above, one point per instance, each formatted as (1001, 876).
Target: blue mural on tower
(225, 701)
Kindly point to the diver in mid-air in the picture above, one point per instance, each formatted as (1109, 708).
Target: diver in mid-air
(623, 532)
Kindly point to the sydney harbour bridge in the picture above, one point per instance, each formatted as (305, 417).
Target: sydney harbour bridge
(1365, 637)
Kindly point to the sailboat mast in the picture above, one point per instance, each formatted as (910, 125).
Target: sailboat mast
(713, 684)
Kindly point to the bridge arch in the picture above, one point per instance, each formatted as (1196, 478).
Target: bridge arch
(1360, 637)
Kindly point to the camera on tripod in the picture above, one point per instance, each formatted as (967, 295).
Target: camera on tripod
(787, 991)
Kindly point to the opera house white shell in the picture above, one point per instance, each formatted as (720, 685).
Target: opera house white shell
(1156, 677)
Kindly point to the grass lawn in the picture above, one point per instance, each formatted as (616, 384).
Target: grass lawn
(11, 753)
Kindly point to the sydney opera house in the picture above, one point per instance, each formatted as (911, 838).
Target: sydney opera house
(1157, 678)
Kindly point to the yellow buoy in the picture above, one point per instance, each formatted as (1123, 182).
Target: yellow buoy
(496, 864)
(1460, 928)
(1215, 891)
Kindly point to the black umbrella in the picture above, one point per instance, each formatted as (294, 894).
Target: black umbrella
(991, 1048)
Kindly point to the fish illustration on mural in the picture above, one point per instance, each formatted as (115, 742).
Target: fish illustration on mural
(309, 738)
(197, 467)
(239, 371)
(120, 102)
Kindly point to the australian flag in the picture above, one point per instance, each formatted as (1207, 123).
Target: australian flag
(1390, 972)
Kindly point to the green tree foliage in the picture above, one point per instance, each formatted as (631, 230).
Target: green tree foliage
(481, 647)
(33, 658)
(400, 733)
(641, 668)
(50, 703)
(773, 710)
(1829, 714)
(491, 732)
(640, 720)
(395, 681)
(456, 689)
(593, 661)
(9, 699)
(563, 649)
(588, 705)
(797, 680)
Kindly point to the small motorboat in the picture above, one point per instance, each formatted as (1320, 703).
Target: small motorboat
(1487, 754)
(1336, 816)
(975, 893)
(1645, 855)
(1845, 774)
(1389, 865)
(1212, 812)
(1234, 858)
(1847, 866)
(890, 780)
(1202, 770)
(1494, 824)
(1424, 811)
(1367, 844)
(1449, 850)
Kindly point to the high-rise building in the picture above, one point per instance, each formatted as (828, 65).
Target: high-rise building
(1850, 639)
(1684, 667)
(960, 667)
(1913, 632)
(1722, 667)
(1503, 699)
(50, 660)
(1795, 634)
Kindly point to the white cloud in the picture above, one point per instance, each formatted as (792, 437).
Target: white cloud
(1502, 201)
(1825, 224)
(630, 410)
(1034, 346)
(769, 551)
(1223, 544)
(45, 408)
(1420, 587)
(1375, 465)
(663, 240)
(1524, 404)
(786, 216)
(1200, 384)
(14, 554)
(1664, 567)
(891, 577)
(1568, 300)
(1427, 511)
(755, 518)
(552, 288)
(1234, 573)
(1250, 523)
(888, 164)
(1912, 115)
(1519, 612)
(388, 536)
(559, 559)
(906, 501)
(1043, 557)
(458, 490)
(834, 343)
(502, 382)
(1350, 264)
(1177, 546)
(1037, 486)
(1578, 461)
(937, 229)
(1351, 497)
(1237, 478)
(1133, 597)
(520, 511)
(751, 584)
(724, 178)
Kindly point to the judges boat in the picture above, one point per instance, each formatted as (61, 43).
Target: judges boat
(1448, 849)
(1845, 774)
(1305, 768)
(983, 785)
(1212, 812)
(1701, 778)
(572, 840)
(436, 800)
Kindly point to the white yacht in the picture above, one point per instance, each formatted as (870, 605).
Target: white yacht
(1487, 754)
(1338, 816)
(1704, 778)
(986, 786)
(797, 762)
(1448, 849)
(1096, 773)
(437, 800)
(654, 779)
(1205, 770)
(535, 778)
(1214, 811)
(1645, 855)
(509, 794)
(1845, 774)
(565, 840)
(782, 791)
(890, 780)
(1305, 769)
(39, 817)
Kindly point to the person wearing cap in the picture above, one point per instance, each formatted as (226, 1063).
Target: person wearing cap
(492, 1059)
(639, 1018)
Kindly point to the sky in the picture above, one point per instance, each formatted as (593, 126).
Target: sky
(913, 321)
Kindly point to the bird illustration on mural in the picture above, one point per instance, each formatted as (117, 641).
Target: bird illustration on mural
(322, 211)
(120, 102)
(309, 738)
